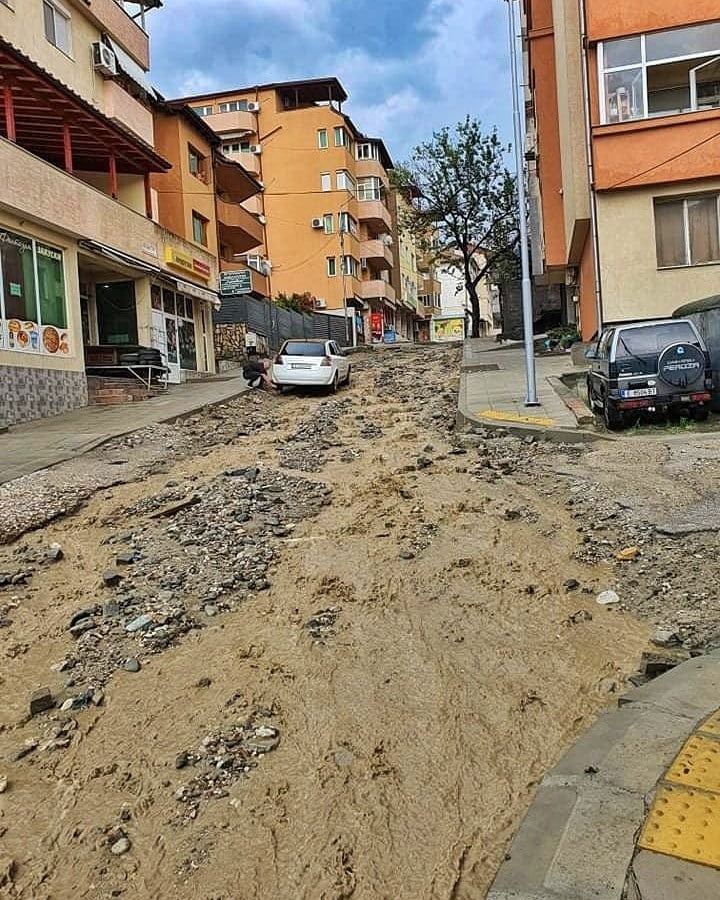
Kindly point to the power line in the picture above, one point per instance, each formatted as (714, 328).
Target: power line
(665, 161)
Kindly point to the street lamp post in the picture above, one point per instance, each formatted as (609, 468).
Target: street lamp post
(531, 398)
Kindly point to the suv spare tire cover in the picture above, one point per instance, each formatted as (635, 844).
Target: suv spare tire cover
(681, 365)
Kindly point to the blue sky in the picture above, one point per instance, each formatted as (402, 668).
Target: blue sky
(409, 66)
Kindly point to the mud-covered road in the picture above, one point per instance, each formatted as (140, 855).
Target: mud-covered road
(350, 679)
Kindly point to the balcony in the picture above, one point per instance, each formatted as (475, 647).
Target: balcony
(377, 253)
(232, 122)
(376, 214)
(376, 289)
(234, 181)
(365, 168)
(125, 109)
(239, 230)
(109, 16)
(36, 190)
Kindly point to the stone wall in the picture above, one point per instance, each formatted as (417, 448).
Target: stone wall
(27, 394)
(230, 340)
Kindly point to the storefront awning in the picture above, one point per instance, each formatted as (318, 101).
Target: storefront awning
(132, 262)
(123, 259)
(193, 290)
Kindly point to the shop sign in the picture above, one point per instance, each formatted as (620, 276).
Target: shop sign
(448, 329)
(187, 263)
(239, 282)
(376, 326)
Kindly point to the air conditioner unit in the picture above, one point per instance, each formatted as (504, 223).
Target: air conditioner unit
(256, 149)
(363, 262)
(104, 59)
(320, 303)
(253, 107)
(387, 240)
(317, 223)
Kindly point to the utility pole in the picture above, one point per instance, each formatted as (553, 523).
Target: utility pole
(344, 275)
(531, 398)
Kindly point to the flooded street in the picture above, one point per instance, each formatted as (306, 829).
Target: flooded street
(357, 653)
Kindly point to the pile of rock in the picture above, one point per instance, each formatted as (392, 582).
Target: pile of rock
(224, 757)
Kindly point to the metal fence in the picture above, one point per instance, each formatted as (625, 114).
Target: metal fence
(276, 325)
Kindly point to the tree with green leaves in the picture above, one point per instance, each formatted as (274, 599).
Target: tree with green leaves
(465, 211)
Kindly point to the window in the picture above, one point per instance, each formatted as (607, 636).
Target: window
(233, 106)
(369, 188)
(199, 228)
(322, 138)
(197, 163)
(345, 181)
(331, 266)
(350, 266)
(367, 151)
(348, 224)
(687, 231)
(660, 74)
(325, 182)
(237, 147)
(254, 261)
(57, 26)
(202, 110)
(33, 306)
(329, 223)
(341, 136)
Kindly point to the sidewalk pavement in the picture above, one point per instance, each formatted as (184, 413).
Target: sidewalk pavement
(32, 446)
(632, 811)
(493, 392)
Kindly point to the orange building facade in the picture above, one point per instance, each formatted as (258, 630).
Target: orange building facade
(327, 223)
(624, 153)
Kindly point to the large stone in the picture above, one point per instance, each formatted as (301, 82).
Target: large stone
(41, 701)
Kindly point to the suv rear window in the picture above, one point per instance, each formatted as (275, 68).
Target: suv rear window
(300, 348)
(651, 340)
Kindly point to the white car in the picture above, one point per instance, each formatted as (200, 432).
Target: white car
(310, 363)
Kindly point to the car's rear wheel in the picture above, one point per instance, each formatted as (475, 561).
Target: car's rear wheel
(612, 417)
(700, 413)
(335, 383)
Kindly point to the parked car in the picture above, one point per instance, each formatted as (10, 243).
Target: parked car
(313, 363)
(658, 366)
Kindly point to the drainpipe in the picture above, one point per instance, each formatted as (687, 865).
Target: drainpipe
(591, 165)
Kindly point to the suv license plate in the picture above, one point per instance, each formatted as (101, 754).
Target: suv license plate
(639, 392)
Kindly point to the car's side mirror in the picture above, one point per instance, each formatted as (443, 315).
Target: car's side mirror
(591, 353)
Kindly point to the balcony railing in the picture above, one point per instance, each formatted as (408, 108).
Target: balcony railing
(111, 16)
(376, 289)
(239, 229)
(376, 213)
(377, 252)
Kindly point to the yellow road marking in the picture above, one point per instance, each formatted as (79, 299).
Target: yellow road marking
(684, 823)
(515, 417)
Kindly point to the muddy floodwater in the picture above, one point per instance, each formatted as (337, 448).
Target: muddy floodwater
(360, 659)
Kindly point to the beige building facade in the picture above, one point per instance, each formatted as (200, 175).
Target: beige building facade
(84, 262)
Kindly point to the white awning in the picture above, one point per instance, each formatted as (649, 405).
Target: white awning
(193, 290)
(128, 65)
(124, 259)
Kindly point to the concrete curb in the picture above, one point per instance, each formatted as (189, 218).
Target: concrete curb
(561, 435)
(577, 840)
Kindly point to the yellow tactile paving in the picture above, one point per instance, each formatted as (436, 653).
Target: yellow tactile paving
(515, 417)
(711, 725)
(684, 823)
(697, 764)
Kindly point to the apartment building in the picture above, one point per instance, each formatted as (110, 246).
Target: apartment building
(328, 228)
(201, 199)
(406, 273)
(623, 116)
(83, 259)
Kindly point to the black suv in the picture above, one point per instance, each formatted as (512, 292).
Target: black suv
(660, 366)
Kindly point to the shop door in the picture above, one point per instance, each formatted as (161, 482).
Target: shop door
(170, 329)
